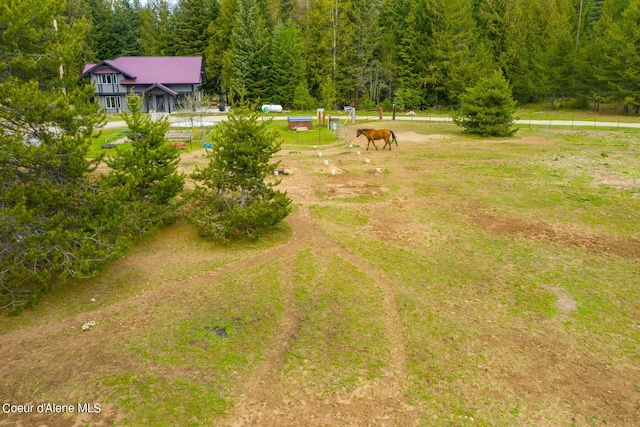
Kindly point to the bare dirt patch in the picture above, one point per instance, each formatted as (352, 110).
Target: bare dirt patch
(596, 244)
(419, 137)
(618, 183)
(354, 189)
(565, 303)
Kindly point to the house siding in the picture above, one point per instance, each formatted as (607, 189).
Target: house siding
(111, 93)
(108, 88)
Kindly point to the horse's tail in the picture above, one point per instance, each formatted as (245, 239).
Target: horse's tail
(393, 136)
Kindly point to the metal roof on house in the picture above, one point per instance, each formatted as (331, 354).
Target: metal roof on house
(153, 69)
(161, 87)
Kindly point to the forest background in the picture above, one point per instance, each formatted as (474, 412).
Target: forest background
(417, 54)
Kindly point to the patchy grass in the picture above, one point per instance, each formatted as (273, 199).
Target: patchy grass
(606, 114)
(445, 291)
(292, 140)
(341, 326)
(104, 136)
(200, 352)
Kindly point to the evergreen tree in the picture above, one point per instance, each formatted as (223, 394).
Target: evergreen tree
(157, 29)
(53, 220)
(487, 108)
(302, 99)
(285, 11)
(559, 60)
(318, 44)
(516, 32)
(328, 92)
(455, 59)
(617, 72)
(412, 57)
(494, 22)
(218, 54)
(39, 42)
(251, 52)
(615, 8)
(192, 18)
(346, 63)
(288, 68)
(597, 56)
(368, 72)
(144, 177)
(102, 39)
(232, 199)
(594, 11)
(125, 29)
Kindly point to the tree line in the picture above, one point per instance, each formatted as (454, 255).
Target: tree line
(414, 53)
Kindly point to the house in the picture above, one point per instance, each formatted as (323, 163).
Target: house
(163, 80)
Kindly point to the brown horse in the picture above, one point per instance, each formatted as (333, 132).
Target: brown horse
(375, 134)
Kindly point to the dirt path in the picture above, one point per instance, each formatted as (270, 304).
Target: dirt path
(266, 400)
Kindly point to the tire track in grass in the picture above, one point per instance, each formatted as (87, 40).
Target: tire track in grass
(303, 223)
(266, 400)
(255, 400)
(395, 378)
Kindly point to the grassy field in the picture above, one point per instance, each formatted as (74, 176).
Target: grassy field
(468, 282)
(290, 139)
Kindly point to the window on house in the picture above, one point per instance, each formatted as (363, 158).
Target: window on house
(112, 102)
(108, 78)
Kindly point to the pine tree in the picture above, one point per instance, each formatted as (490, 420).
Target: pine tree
(125, 29)
(218, 53)
(233, 199)
(411, 57)
(456, 59)
(285, 11)
(102, 39)
(318, 44)
(302, 99)
(157, 29)
(487, 108)
(559, 59)
(288, 68)
(251, 52)
(53, 220)
(517, 34)
(594, 12)
(617, 71)
(145, 177)
(192, 18)
(347, 66)
(328, 93)
(368, 72)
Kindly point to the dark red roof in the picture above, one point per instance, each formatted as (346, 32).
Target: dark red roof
(153, 69)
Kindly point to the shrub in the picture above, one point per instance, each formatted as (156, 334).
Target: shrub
(232, 199)
(487, 109)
